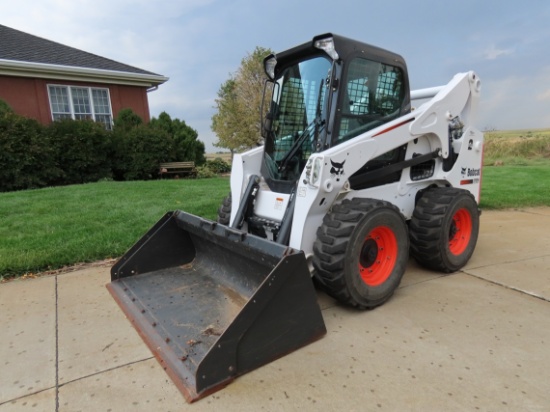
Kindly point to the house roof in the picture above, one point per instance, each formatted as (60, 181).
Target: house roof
(22, 54)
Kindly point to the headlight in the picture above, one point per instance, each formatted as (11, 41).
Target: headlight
(327, 45)
(313, 171)
(269, 66)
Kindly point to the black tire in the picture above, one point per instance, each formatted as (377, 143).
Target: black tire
(361, 252)
(224, 211)
(444, 229)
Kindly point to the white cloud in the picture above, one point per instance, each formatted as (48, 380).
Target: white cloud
(514, 102)
(493, 52)
(545, 95)
(198, 43)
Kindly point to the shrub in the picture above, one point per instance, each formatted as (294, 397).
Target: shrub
(82, 150)
(26, 157)
(140, 151)
(218, 165)
(187, 147)
(127, 120)
(72, 152)
(5, 108)
(204, 172)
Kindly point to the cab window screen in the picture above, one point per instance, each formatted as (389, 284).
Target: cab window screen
(374, 96)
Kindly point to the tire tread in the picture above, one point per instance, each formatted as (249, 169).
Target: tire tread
(333, 240)
(427, 239)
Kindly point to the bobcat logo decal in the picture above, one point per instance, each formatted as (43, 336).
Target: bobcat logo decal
(337, 169)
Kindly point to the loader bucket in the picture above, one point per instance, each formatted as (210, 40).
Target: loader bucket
(212, 302)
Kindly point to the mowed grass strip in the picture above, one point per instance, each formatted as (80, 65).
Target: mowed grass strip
(49, 228)
(521, 173)
(515, 186)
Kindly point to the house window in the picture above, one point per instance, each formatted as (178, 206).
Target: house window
(81, 103)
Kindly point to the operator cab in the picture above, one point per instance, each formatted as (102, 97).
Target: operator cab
(326, 92)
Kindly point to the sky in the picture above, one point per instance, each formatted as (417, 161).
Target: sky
(198, 44)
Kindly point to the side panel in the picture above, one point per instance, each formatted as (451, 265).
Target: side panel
(466, 173)
(430, 123)
(243, 166)
(270, 205)
(314, 200)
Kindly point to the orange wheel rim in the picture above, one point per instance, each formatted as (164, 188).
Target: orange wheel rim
(460, 232)
(378, 256)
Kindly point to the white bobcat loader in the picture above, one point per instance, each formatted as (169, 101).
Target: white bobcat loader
(349, 180)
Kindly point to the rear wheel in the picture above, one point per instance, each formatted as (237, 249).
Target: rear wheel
(361, 252)
(444, 229)
(224, 211)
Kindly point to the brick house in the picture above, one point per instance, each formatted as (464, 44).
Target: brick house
(46, 80)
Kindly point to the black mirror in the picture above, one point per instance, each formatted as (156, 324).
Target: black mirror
(266, 122)
(266, 125)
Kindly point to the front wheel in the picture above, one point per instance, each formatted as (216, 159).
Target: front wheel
(361, 252)
(444, 229)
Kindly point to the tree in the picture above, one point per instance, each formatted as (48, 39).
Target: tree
(225, 121)
(238, 120)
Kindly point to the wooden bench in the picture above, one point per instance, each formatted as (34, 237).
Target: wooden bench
(179, 169)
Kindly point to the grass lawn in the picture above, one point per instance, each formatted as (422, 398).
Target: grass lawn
(50, 228)
(515, 186)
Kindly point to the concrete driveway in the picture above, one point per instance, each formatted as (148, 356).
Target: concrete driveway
(478, 339)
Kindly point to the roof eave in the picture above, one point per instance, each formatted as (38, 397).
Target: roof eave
(81, 74)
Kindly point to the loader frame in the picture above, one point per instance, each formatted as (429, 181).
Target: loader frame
(425, 133)
(350, 179)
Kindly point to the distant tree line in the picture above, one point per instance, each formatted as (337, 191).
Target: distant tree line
(69, 151)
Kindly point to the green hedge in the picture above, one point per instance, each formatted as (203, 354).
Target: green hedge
(82, 150)
(139, 151)
(27, 159)
(70, 152)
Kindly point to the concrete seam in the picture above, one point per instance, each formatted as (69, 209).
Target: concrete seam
(507, 262)
(523, 292)
(443, 275)
(106, 370)
(531, 212)
(57, 385)
(27, 395)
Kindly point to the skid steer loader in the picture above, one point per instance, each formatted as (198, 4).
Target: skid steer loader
(349, 180)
